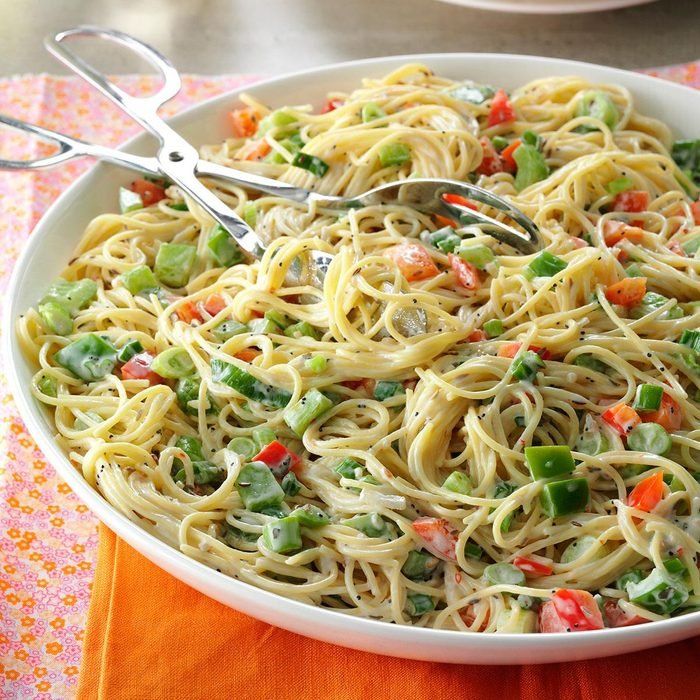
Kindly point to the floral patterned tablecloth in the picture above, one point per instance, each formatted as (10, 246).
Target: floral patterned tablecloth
(48, 538)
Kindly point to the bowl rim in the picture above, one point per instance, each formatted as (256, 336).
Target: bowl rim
(197, 574)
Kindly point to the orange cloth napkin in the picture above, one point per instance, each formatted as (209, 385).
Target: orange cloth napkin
(151, 637)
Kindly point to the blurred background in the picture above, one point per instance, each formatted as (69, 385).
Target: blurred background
(277, 36)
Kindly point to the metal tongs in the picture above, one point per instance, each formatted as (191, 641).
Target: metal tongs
(179, 161)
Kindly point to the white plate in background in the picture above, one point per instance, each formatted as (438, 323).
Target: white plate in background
(548, 7)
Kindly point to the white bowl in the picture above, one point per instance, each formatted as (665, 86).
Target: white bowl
(51, 245)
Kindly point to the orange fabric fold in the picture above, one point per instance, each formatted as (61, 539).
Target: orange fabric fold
(151, 637)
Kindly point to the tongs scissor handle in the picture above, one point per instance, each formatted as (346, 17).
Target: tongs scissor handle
(177, 159)
(140, 108)
(69, 148)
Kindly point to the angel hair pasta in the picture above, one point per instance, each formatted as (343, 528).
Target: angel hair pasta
(445, 433)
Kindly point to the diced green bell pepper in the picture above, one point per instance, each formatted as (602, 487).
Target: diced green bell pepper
(385, 389)
(547, 461)
(394, 154)
(547, 265)
(648, 397)
(418, 604)
(599, 105)
(89, 358)
(72, 296)
(48, 386)
(223, 248)
(504, 573)
(311, 163)
(659, 592)
(174, 263)
(310, 515)
(129, 200)
(282, 536)
(493, 327)
(290, 484)
(140, 280)
(258, 487)
(371, 524)
(565, 497)
(420, 565)
(532, 166)
(227, 329)
(55, 319)
(372, 111)
(128, 350)
(618, 185)
(301, 329)
(458, 482)
(525, 366)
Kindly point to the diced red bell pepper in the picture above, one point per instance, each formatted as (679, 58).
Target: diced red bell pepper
(139, 367)
(570, 610)
(617, 617)
(444, 221)
(512, 349)
(615, 231)
(413, 261)
(622, 417)
(627, 292)
(214, 304)
(188, 312)
(254, 150)
(632, 201)
(459, 200)
(331, 105)
(647, 494)
(491, 162)
(669, 415)
(695, 209)
(438, 535)
(467, 274)
(244, 122)
(278, 458)
(532, 567)
(501, 109)
(477, 336)
(247, 354)
(509, 164)
(149, 192)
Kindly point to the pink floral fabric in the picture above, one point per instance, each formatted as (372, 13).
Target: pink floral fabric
(48, 538)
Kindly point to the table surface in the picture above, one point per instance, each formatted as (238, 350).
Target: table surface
(277, 36)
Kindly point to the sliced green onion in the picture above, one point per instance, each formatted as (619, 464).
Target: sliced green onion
(478, 255)
(675, 566)
(263, 326)
(48, 386)
(223, 248)
(349, 469)
(247, 385)
(493, 328)
(503, 573)
(473, 551)
(499, 142)
(174, 263)
(372, 111)
(526, 365)
(531, 138)
(187, 390)
(648, 397)
(309, 407)
(275, 120)
(592, 441)
(620, 184)
(179, 206)
(631, 576)
(590, 362)
(649, 437)
(652, 301)
(311, 163)
(140, 280)
(316, 364)
(243, 446)
(173, 363)
(394, 154)
(227, 329)
(458, 482)
(444, 238)
(277, 317)
(580, 546)
(128, 350)
(634, 270)
(300, 329)
(473, 93)
(691, 339)
(547, 265)
(89, 358)
(386, 389)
